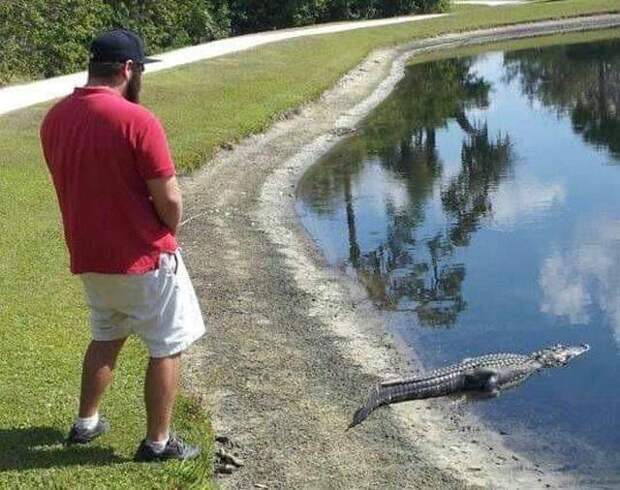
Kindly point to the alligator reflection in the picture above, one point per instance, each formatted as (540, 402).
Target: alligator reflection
(582, 80)
(407, 271)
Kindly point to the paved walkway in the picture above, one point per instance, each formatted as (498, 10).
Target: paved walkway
(19, 96)
(490, 3)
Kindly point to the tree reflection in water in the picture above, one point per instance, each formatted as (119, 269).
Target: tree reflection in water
(406, 271)
(467, 198)
(582, 80)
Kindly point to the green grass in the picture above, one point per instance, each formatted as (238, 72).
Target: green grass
(517, 45)
(43, 320)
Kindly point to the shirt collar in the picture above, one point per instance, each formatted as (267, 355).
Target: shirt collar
(83, 91)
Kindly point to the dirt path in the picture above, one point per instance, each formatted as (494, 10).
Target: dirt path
(293, 347)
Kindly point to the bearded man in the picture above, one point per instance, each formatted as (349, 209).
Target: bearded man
(121, 208)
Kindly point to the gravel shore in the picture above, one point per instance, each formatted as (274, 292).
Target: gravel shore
(293, 346)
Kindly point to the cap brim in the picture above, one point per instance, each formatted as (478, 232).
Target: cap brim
(150, 60)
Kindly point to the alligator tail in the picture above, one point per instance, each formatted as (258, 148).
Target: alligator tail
(405, 390)
(375, 400)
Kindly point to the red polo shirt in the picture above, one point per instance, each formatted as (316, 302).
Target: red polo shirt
(101, 149)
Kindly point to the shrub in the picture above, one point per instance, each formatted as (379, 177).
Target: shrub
(43, 38)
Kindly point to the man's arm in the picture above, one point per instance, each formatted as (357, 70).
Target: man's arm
(167, 200)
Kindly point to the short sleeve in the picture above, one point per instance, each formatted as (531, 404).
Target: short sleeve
(153, 159)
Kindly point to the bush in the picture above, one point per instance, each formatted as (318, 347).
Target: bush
(44, 38)
(429, 6)
(165, 25)
(255, 15)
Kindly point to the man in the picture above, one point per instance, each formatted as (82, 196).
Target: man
(121, 207)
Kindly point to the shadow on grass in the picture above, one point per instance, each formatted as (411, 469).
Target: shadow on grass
(43, 447)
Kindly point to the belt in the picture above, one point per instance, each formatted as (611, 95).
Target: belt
(176, 262)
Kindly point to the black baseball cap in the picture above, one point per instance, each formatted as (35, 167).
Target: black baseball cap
(118, 45)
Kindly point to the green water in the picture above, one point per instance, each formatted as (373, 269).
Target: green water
(479, 205)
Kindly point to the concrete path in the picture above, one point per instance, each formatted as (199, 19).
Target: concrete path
(490, 3)
(19, 96)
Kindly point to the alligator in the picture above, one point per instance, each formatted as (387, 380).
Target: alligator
(474, 378)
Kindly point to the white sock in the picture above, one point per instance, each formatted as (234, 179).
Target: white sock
(87, 423)
(158, 446)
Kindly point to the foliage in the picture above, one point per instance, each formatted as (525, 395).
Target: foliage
(43, 38)
(255, 15)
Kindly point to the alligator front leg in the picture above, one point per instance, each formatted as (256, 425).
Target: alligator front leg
(481, 384)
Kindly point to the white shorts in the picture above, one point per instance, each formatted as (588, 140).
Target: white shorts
(160, 307)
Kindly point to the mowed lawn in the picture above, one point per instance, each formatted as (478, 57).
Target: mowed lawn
(43, 318)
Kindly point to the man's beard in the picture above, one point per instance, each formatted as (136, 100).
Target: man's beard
(132, 93)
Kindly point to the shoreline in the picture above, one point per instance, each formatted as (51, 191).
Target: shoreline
(295, 346)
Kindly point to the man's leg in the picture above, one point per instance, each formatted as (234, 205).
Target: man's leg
(160, 391)
(97, 374)
(178, 324)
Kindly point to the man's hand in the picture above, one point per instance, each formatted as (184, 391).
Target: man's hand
(167, 200)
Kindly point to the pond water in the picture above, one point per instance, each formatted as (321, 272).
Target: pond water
(479, 205)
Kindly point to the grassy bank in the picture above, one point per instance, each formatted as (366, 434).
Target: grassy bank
(43, 320)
